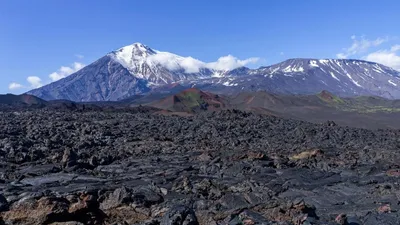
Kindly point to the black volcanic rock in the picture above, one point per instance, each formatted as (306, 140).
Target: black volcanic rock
(69, 158)
(227, 167)
(180, 215)
(3, 203)
(119, 197)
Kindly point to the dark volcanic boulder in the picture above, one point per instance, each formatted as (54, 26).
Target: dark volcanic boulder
(3, 203)
(180, 215)
(248, 217)
(145, 197)
(69, 158)
(118, 197)
(140, 197)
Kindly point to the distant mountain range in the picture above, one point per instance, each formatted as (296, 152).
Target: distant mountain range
(364, 111)
(194, 100)
(137, 70)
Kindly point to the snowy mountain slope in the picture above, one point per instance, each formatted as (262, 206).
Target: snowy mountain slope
(343, 76)
(103, 80)
(357, 71)
(310, 76)
(138, 69)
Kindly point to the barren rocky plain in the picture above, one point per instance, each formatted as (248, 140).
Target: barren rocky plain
(139, 167)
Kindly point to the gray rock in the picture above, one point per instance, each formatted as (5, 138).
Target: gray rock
(119, 197)
(69, 158)
(145, 197)
(180, 215)
(233, 201)
(249, 217)
(3, 203)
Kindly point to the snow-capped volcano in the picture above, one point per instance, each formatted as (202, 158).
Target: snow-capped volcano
(139, 69)
(159, 67)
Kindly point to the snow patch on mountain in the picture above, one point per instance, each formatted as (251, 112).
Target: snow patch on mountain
(324, 61)
(352, 80)
(218, 74)
(333, 75)
(392, 83)
(313, 63)
(229, 84)
(289, 69)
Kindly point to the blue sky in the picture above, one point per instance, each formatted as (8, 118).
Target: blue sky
(43, 37)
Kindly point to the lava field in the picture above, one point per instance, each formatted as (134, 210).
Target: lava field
(71, 167)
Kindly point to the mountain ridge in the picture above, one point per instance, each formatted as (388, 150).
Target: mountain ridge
(23, 99)
(139, 69)
(316, 108)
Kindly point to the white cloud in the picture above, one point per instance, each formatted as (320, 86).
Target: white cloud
(34, 81)
(230, 62)
(65, 71)
(15, 86)
(341, 55)
(79, 56)
(192, 65)
(386, 57)
(170, 61)
(360, 45)
(395, 48)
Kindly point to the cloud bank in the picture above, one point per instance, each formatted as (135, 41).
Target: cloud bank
(36, 82)
(192, 65)
(386, 57)
(174, 62)
(230, 62)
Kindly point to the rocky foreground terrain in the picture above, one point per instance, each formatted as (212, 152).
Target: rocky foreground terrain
(228, 167)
